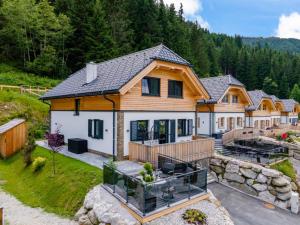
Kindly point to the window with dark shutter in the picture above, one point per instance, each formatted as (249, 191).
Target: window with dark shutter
(181, 128)
(139, 130)
(98, 129)
(150, 86)
(77, 107)
(175, 89)
(190, 127)
(90, 128)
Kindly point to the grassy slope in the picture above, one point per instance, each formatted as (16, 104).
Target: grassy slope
(11, 76)
(286, 167)
(62, 194)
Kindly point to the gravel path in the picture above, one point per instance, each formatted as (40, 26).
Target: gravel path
(216, 214)
(18, 214)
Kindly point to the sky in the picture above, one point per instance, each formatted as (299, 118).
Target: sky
(250, 18)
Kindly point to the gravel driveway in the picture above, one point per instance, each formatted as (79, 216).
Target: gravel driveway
(18, 214)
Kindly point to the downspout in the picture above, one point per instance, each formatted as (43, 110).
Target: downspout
(114, 123)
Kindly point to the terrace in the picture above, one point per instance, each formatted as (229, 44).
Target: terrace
(175, 182)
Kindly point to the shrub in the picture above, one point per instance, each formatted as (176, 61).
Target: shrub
(147, 173)
(29, 148)
(38, 164)
(194, 216)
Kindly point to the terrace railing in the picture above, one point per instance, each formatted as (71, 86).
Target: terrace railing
(145, 198)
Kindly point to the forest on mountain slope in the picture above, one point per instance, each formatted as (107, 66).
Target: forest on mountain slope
(57, 37)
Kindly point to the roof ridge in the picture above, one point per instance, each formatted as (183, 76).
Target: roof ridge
(165, 47)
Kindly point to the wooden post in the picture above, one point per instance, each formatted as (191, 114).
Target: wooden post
(1, 216)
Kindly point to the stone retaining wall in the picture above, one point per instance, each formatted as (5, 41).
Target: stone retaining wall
(266, 184)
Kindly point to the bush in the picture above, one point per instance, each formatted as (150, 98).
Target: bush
(194, 216)
(147, 173)
(38, 164)
(29, 148)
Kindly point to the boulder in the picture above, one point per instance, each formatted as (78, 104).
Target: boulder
(260, 187)
(250, 182)
(256, 168)
(288, 178)
(214, 175)
(217, 169)
(82, 211)
(281, 204)
(91, 198)
(284, 189)
(234, 177)
(244, 188)
(102, 208)
(216, 162)
(280, 182)
(266, 196)
(232, 167)
(84, 220)
(248, 173)
(284, 196)
(270, 172)
(294, 186)
(92, 217)
(245, 165)
(261, 178)
(295, 202)
(272, 190)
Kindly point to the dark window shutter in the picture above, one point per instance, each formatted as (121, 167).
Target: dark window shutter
(133, 130)
(98, 129)
(190, 127)
(156, 129)
(172, 131)
(90, 128)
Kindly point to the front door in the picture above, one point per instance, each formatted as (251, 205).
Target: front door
(161, 131)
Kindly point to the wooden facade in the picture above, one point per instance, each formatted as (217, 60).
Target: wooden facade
(187, 151)
(12, 137)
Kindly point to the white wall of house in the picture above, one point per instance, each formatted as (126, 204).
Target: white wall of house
(77, 127)
(205, 117)
(151, 116)
(284, 119)
(257, 118)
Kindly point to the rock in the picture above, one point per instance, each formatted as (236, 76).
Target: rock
(284, 189)
(294, 186)
(216, 162)
(92, 217)
(281, 204)
(92, 198)
(244, 188)
(270, 172)
(261, 178)
(256, 168)
(82, 211)
(284, 196)
(101, 209)
(84, 220)
(234, 177)
(250, 182)
(260, 187)
(232, 167)
(214, 175)
(295, 202)
(288, 178)
(280, 182)
(248, 173)
(217, 169)
(266, 196)
(272, 190)
(220, 178)
(245, 165)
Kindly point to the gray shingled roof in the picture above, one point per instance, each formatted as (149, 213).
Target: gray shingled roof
(275, 99)
(289, 104)
(216, 86)
(256, 97)
(113, 74)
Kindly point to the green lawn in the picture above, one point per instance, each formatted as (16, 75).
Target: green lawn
(62, 194)
(10, 75)
(286, 167)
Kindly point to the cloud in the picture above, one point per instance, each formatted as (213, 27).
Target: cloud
(191, 9)
(289, 26)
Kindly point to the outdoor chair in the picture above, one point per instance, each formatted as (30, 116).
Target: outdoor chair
(168, 168)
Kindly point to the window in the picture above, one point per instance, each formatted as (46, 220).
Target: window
(95, 128)
(139, 130)
(150, 86)
(175, 89)
(221, 122)
(267, 123)
(264, 107)
(235, 99)
(77, 107)
(239, 121)
(185, 127)
(225, 99)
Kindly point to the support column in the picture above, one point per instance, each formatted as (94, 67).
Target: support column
(120, 135)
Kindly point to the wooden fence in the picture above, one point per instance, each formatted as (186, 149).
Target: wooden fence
(12, 137)
(193, 150)
(34, 90)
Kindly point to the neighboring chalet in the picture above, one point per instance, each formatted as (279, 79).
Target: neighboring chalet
(226, 108)
(276, 114)
(291, 111)
(259, 115)
(147, 96)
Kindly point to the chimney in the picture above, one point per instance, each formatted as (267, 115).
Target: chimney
(91, 72)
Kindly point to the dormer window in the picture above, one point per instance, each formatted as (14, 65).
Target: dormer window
(150, 86)
(225, 99)
(235, 99)
(264, 107)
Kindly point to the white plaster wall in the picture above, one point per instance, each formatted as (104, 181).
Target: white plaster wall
(151, 116)
(284, 119)
(249, 121)
(259, 118)
(77, 127)
(227, 115)
(204, 123)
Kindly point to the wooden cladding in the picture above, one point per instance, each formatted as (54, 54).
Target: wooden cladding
(12, 139)
(197, 149)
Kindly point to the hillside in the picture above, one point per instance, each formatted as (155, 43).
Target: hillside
(281, 44)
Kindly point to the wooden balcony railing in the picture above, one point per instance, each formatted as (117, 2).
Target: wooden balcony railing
(193, 150)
